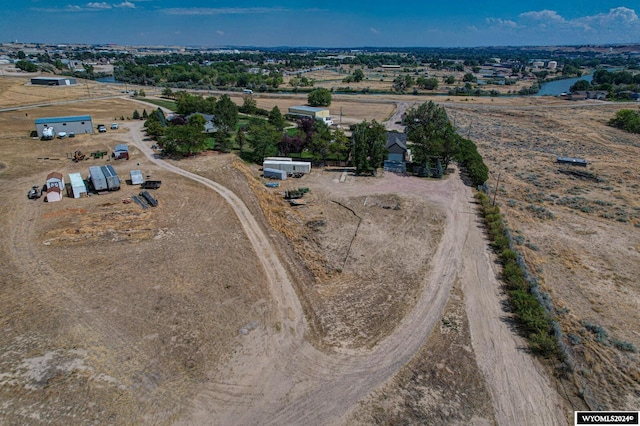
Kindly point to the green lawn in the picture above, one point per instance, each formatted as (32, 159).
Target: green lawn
(170, 105)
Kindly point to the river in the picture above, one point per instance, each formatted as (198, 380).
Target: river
(557, 87)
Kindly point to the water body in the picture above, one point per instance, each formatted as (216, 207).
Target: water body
(109, 79)
(554, 88)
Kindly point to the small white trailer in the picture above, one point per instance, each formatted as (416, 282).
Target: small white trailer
(136, 177)
(277, 159)
(77, 185)
(291, 167)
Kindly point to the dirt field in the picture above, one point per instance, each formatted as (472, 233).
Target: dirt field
(225, 303)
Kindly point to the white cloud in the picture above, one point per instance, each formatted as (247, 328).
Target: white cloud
(96, 5)
(543, 16)
(374, 31)
(501, 23)
(223, 10)
(220, 32)
(125, 5)
(617, 18)
(621, 22)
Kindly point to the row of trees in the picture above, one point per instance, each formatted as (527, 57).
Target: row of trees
(619, 84)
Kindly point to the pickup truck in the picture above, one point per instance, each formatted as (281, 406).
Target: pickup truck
(102, 128)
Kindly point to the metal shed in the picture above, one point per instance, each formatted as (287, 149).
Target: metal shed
(77, 185)
(76, 124)
(136, 177)
(97, 178)
(274, 174)
(53, 81)
(121, 151)
(55, 179)
(54, 194)
(113, 181)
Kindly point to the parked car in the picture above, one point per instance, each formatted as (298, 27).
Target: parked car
(102, 128)
(114, 126)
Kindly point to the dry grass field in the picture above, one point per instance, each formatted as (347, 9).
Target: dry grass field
(115, 314)
(580, 235)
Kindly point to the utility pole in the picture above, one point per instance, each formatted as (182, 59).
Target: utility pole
(495, 193)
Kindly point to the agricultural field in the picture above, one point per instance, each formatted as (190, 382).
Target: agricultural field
(378, 302)
(381, 80)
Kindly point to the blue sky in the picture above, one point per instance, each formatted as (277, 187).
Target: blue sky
(355, 23)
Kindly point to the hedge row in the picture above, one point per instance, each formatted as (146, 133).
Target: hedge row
(525, 298)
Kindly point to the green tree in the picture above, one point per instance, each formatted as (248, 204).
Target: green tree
(136, 115)
(433, 135)
(263, 138)
(197, 121)
(320, 139)
(580, 85)
(167, 92)
(249, 105)
(339, 145)
(21, 55)
(368, 141)
(469, 77)
(358, 75)
(26, 66)
(223, 142)
(627, 120)
(186, 140)
(276, 118)
(241, 138)
(144, 114)
(225, 114)
(319, 97)
(449, 79)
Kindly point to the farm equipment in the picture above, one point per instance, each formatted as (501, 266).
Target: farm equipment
(78, 156)
(272, 184)
(98, 154)
(293, 194)
(34, 193)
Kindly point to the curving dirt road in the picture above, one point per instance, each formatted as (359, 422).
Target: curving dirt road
(278, 377)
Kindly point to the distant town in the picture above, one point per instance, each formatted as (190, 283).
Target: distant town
(491, 71)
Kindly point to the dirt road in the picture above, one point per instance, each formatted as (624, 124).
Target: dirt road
(278, 377)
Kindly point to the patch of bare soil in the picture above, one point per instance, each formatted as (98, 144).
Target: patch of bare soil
(442, 384)
(372, 253)
(577, 229)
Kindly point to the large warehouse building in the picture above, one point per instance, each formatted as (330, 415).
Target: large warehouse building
(54, 81)
(77, 124)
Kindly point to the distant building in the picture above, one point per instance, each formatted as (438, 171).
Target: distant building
(398, 154)
(76, 124)
(552, 65)
(209, 125)
(54, 81)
